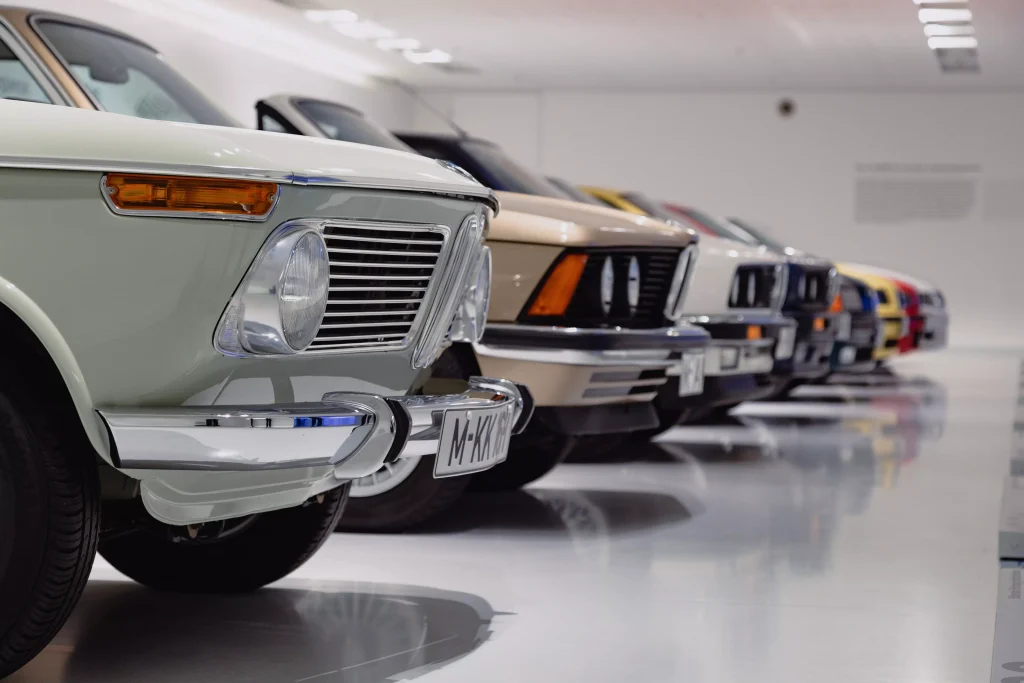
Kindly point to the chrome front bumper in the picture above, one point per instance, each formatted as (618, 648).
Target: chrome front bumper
(199, 464)
(655, 348)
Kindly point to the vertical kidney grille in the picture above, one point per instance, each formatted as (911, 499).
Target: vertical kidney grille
(753, 287)
(809, 288)
(380, 275)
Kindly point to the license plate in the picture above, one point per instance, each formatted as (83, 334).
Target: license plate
(784, 347)
(473, 440)
(691, 374)
(845, 327)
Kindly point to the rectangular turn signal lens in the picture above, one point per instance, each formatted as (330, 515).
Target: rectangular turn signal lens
(187, 196)
(754, 332)
(837, 305)
(555, 295)
(819, 324)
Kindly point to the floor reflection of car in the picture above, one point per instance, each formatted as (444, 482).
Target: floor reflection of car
(335, 631)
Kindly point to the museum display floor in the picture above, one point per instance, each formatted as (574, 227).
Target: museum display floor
(848, 534)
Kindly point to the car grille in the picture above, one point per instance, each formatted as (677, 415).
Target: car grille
(810, 288)
(586, 309)
(849, 296)
(380, 275)
(753, 287)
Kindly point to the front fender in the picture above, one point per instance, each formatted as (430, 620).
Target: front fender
(21, 305)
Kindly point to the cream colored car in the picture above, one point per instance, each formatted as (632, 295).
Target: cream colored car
(586, 305)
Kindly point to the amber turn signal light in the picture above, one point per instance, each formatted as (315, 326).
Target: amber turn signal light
(819, 324)
(837, 305)
(555, 295)
(753, 332)
(187, 196)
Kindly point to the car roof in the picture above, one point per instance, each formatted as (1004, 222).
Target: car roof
(10, 11)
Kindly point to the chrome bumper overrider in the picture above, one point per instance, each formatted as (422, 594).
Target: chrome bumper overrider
(426, 413)
(198, 464)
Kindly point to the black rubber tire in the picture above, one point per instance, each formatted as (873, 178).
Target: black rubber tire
(274, 545)
(49, 525)
(411, 503)
(531, 455)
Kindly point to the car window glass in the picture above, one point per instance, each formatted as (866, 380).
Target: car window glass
(16, 83)
(347, 125)
(742, 227)
(126, 77)
(501, 173)
(575, 193)
(268, 122)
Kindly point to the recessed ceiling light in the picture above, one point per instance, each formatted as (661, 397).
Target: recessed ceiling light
(931, 15)
(952, 42)
(331, 15)
(428, 57)
(399, 44)
(948, 30)
(363, 30)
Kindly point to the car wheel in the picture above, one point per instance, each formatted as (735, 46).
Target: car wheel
(49, 525)
(232, 556)
(400, 496)
(531, 455)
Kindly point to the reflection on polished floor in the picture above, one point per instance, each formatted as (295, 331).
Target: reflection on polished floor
(848, 534)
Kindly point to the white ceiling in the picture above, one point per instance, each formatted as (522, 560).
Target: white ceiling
(693, 43)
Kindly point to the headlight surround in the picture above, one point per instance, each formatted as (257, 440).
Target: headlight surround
(302, 295)
(471, 318)
(279, 307)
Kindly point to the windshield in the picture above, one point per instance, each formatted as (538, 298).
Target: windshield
(496, 170)
(575, 193)
(126, 77)
(654, 208)
(744, 228)
(341, 123)
(713, 226)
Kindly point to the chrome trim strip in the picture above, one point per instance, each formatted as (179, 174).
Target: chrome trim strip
(427, 412)
(636, 358)
(742, 317)
(235, 173)
(28, 58)
(352, 432)
(105, 192)
(681, 279)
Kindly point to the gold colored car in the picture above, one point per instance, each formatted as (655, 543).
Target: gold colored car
(891, 309)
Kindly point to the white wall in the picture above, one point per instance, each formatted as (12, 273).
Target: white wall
(731, 153)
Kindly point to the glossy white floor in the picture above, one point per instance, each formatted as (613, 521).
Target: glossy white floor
(846, 536)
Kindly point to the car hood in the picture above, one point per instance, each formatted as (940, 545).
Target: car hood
(739, 252)
(48, 136)
(543, 220)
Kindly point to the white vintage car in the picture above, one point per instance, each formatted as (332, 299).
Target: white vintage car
(215, 331)
(736, 294)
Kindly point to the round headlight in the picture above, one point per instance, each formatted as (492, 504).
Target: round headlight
(471, 318)
(302, 295)
(607, 285)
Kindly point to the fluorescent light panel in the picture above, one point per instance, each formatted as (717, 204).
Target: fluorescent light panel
(427, 57)
(931, 30)
(932, 15)
(952, 42)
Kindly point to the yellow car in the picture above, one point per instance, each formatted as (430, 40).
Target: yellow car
(614, 199)
(891, 309)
